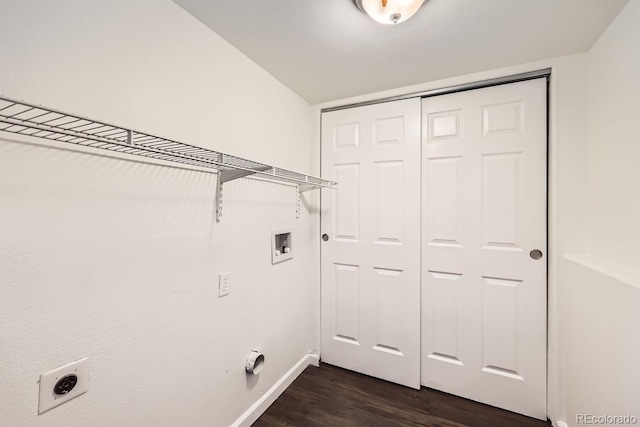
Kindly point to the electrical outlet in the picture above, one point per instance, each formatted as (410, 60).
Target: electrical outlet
(224, 284)
(63, 384)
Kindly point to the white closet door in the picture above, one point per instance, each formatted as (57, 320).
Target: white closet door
(484, 209)
(371, 260)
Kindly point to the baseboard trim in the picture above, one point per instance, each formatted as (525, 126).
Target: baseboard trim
(253, 413)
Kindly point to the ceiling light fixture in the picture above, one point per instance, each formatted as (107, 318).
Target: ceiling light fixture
(389, 11)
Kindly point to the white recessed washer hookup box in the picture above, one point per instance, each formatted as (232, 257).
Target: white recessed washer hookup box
(281, 244)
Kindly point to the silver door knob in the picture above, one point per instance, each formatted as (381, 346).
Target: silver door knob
(535, 254)
(325, 237)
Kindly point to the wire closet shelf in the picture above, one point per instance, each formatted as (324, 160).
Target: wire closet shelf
(23, 118)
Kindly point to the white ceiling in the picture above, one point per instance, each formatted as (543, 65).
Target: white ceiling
(327, 49)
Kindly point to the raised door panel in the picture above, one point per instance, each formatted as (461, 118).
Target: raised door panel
(389, 194)
(500, 330)
(347, 206)
(443, 328)
(347, 303)
(389, 130)
(502, 118)
(346, 135)
(443, 202)
(389, 285)
(500, 200)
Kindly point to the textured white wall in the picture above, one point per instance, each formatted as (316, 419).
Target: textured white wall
(614, 144)
(118, 259)
(602, 340)
(602, 290)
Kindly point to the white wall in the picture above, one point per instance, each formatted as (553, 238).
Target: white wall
(602, 340)
(614, 148)
(568, 197)
(118, 259)
(602, 290)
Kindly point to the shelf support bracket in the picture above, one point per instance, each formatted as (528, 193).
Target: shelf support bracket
(226, 176)
(298, 201)
(219, 189)
(230, 175)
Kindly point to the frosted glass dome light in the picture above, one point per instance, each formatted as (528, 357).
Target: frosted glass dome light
(389, 12)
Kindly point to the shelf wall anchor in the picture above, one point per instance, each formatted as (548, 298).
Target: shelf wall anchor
(226, 175)
(298, 201)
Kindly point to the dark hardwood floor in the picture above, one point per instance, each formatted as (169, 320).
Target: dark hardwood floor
(328, 396)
